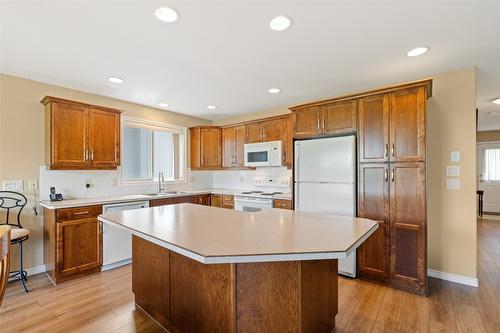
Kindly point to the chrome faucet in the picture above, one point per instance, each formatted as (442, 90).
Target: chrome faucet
(161, 183)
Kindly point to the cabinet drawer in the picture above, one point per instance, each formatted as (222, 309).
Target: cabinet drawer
(227, 199)
(282, 203)
(78, 213)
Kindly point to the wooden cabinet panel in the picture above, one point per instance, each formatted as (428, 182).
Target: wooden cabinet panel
(205, 148)
(204, 200)
(194, 148)
(282, 203)
(339, 117)
(216, 200)
(228, 146)
(287, 142)
(272, 130)
(407, 125)
(69, 140)
(105, 137)
(79, 246)
(210, 147)
(373, 203)
(76, 213)
(233, 141)
(306, 122)
(227, 201)
(407, 220)
(254, 132)
(374, 128)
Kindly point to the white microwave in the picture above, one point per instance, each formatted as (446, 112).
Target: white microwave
(263, 154)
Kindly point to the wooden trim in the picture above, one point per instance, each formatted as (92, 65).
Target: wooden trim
(51, 99)
(247, 122)
(386, 89)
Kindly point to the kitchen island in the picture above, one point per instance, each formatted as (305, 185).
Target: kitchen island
(206, 269)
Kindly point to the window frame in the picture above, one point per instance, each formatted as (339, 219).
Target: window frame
(180, 130)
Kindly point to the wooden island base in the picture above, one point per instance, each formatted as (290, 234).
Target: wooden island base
(184, 295)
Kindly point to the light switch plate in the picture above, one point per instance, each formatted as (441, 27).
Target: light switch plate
(453, 184)
(453, 171)
(455, 156)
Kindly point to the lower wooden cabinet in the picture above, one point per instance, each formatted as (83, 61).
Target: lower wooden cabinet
(282, 203)
(394, 195)
(72, 242)
(202, 199)
(222, 201)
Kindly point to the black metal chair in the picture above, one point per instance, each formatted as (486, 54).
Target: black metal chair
(13, 203)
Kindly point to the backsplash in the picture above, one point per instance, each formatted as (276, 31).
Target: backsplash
(71, 183)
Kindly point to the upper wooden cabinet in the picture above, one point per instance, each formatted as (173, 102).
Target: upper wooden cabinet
(324, 119)
(205, 143)
(81, 136)
(392, 126)
(374, 128)
(267, 130)
(407, 124)
(233, 141)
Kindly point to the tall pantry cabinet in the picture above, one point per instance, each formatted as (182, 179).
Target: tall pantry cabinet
(390, 130)
(391, 187)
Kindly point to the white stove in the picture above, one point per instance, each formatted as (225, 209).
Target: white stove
(256, 200)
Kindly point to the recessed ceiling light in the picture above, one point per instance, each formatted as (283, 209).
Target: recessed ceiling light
(497, 101)
(115, 79)
(163, 105)
(274, 90)
(494, 114)
(166, 14)
(417, 51)
(211, 107)
(280, 23)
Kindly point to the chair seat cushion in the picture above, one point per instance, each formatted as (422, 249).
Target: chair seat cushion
(17, 233)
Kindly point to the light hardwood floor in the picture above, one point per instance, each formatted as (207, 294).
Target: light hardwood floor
(104, 302)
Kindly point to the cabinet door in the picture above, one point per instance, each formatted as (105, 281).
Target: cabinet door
(205, 200)
(210, 148)
(194, 148)
(306, 122)
(79, 246)
(240, 135)
(254, 132)
(407, 125)
(161, 202)
(339, 117)
(104, 138)
(69, 136)
(272, 130)
(408, 227)
(373, 203)
(287, 142)
(216, 200)
(228, 147)
(374, 128)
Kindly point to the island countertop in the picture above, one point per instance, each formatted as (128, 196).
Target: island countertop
(213, 235)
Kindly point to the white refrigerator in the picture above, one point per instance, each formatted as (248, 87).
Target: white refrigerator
(325, 182)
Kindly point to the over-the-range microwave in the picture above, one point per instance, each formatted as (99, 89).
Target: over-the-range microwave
(263, 154)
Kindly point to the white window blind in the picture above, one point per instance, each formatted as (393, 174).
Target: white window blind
(150, 148)
(492, 164)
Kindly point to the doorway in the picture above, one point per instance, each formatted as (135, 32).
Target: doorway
(488, 177)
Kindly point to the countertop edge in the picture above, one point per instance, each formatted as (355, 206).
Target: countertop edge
(238, 259)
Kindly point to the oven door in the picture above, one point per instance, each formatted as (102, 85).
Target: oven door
(247, 204)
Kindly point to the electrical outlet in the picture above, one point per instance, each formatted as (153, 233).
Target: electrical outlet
(13, 185)
(88, 183)
(32, 185)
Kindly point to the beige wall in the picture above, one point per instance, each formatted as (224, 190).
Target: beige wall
(486, 136)
(22, 138)
(451, 126)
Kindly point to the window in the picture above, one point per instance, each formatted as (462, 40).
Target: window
(150, 148)
(492, 164)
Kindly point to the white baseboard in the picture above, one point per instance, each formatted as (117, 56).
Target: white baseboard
(462, 279)
(32, 271)
(116, 264)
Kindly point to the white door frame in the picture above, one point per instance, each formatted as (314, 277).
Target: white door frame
(491, 201)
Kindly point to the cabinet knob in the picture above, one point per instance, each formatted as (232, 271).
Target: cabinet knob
(386, 176)
(392, 150)
(392, 175)
(386, 150)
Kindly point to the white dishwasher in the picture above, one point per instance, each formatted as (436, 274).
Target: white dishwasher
(117, 243)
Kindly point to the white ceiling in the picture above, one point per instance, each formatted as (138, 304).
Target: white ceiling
(223, 52)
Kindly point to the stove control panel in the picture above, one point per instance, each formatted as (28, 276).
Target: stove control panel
(272, 181)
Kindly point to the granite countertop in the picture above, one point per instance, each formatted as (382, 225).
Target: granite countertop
(213, 235)
(78, 202)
